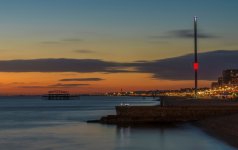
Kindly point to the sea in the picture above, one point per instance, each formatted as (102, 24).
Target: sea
(31, 123)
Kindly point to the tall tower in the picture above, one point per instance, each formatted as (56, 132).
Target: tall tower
(195, 64)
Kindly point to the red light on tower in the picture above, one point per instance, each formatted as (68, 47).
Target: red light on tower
(195, 66)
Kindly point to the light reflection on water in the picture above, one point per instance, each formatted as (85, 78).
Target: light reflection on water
(65, 129)
(93, 137)
(185, 137)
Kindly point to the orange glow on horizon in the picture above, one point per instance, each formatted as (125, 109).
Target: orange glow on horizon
(40, 83)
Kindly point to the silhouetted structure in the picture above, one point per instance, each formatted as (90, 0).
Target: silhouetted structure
(58, 95)
(195, 64)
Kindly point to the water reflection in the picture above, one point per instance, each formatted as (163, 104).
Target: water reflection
(62, 126)
(171, 137)
(123, 134)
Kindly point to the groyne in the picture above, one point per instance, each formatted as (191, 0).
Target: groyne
(172, 110)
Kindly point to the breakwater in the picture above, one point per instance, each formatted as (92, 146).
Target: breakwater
(179, 111)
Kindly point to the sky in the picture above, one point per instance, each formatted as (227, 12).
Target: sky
(96, 46)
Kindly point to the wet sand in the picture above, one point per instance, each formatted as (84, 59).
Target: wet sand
(224, 128)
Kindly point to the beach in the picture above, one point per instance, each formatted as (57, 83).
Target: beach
(216, 117)
(224, 128)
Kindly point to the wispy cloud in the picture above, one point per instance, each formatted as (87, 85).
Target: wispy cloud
(32, 87)
(67, 85)
(58, 85)
(183, 33)
(81, 79)
(72, 40)
(63, 41)
(50, 42)
(84, 51)
(14, 83)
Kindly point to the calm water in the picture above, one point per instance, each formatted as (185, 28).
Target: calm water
(35, 124)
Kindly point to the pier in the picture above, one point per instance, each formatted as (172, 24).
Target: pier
(58, 95)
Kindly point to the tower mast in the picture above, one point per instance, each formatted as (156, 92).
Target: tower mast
(195, 64)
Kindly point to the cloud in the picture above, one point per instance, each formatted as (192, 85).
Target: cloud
(62, 65)
(63, 41)
(184, 33)
(189, 34)
(181, 68)
(67, 85)
(16, 83)
(81, 79)
(72, 40)
(50, 42)
(177, 68)
(58, 85)
(32, 87)
(85, 51)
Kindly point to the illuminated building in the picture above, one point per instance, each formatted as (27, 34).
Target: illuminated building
(229, 78)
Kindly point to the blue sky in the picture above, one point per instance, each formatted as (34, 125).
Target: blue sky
(107, 26)
(112, 33)
(116, 16)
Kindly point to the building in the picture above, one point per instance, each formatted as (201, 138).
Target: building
(229, 78)
(215, 85)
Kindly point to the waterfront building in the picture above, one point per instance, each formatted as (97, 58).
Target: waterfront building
(229, 78)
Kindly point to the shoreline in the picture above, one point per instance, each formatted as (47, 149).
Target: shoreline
(224, 128)
(218, 118)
